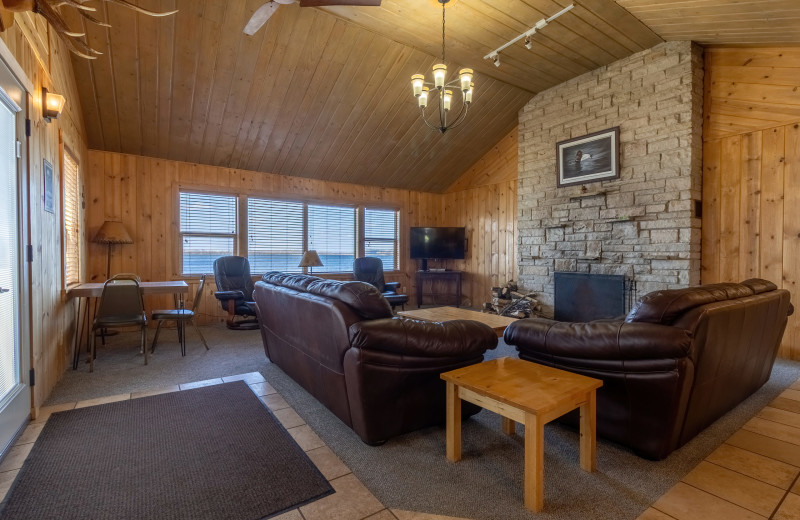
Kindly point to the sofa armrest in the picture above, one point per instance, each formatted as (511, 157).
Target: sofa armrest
(423, 338)
(600, 340)
(229, 295)
(391, 287)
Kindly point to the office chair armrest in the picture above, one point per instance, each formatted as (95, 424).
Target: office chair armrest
(391, 287)
(229, 295)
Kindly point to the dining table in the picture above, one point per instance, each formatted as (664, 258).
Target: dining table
(85, 292)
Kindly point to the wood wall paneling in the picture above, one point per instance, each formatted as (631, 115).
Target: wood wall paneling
(142, 193)
(45, 61)
(751, 185)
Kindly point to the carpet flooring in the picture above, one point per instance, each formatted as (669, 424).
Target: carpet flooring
(213, 452)
(411, 472)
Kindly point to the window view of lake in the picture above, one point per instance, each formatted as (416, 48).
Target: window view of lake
(198, 263)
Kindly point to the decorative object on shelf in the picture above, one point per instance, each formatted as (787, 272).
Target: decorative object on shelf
(49, 11)
(311, 260)
(47, 168)
(464, 84)
(110, 233)
(589, 158)
(263, 13)
(52, 105)
(528, 35)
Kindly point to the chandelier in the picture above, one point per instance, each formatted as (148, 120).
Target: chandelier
(444, 90)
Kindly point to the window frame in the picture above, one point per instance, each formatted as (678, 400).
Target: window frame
(66, 153)
(242, 232)
(237, 238)
(362, 229)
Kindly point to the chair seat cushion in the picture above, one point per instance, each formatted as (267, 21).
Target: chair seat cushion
(395, 298)
(173, 314)
(120, 321)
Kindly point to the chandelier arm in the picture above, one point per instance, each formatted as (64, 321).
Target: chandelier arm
(462, 116)
(427, 123)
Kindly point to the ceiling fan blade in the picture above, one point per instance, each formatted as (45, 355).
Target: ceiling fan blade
(324, 3)
(260, 17)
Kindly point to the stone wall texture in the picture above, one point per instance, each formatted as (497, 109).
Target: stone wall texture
(642, 225)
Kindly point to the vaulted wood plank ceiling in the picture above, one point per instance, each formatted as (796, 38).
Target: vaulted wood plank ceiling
(319, 93)
(718, 22)
(325, 93)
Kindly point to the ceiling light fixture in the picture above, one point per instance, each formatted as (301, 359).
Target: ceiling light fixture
(463, 83)
(528, 35)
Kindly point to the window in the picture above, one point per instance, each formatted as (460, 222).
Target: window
(72, 221)
(332, 233)
(208, 230)
(274, 235)
(380, 236)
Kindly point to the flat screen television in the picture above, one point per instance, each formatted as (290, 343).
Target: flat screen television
(438, 242)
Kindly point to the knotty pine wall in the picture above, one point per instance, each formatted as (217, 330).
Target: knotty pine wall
(142, 193)
(46, 62)
(751, 172)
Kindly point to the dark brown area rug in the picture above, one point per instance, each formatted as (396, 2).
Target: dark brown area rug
(213, 452)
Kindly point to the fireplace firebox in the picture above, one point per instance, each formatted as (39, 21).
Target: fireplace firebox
(583, 297)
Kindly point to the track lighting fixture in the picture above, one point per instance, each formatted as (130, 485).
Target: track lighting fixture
(528, 35)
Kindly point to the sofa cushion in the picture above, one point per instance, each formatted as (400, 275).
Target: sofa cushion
(759, 286)
(363, 298)
(664, 307)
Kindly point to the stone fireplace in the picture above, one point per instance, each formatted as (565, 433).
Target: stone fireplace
(644, 225)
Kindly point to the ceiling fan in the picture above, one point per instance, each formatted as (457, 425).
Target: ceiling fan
(263, 13)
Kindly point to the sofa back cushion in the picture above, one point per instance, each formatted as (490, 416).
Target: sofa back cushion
(364, 299)
(665, 307)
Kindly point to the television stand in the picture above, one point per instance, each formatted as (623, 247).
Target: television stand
(440, 284)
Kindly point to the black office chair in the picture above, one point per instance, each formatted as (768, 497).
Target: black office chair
(370, 269)
(235, 291)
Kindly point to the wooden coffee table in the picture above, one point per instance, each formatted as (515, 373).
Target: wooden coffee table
(526, 393)
(498, 323)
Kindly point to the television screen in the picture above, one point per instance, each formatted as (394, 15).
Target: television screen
(438, 242)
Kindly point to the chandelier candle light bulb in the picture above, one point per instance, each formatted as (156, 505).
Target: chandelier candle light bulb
(463, 82)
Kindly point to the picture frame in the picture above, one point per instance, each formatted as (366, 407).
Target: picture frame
(590, 158)
(49, 203)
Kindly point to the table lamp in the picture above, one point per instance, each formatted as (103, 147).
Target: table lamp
(311, 260)
(112, 232)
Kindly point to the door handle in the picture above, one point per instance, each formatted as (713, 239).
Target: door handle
(3, 290)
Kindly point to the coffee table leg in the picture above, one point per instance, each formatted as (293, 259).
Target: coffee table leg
(534, 463)
(453, 423)
(588, 432)
(509, 426)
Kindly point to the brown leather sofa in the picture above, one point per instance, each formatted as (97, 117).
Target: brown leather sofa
(675, 364)
(378, 373)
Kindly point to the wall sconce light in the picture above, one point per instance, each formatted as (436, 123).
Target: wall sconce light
(52, 105)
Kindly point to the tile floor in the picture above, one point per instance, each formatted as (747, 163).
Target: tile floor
(352, 500)
(755, 474)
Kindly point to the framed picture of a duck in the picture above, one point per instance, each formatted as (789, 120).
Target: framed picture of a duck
(589, 158)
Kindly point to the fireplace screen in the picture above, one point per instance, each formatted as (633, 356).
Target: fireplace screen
(585, 297)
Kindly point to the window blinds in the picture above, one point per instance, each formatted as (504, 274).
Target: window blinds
(72, 222)
(332, 233)
(380, 236)
(208, 230)
(274, 235)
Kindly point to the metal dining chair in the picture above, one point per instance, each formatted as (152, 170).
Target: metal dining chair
(121, 305)
(181, 316)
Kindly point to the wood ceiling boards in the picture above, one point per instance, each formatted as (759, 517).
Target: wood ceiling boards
(720, 22)
(324, 93)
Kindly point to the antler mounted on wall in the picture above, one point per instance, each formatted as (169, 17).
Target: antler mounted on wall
(49, 9)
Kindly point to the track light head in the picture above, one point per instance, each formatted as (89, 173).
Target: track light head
(528, 43)
(496, 60)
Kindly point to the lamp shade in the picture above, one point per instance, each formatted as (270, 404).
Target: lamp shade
(310, 259)
(112, 232)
